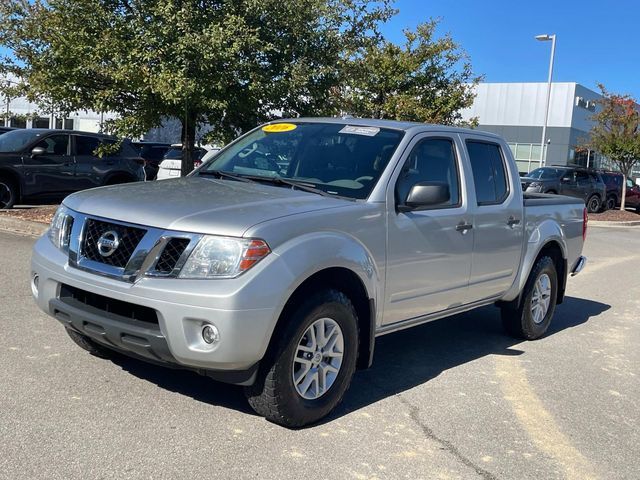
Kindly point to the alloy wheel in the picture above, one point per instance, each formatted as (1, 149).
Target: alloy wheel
(318, 358)
(541, 298)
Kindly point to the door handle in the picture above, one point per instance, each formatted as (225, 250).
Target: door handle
(511, 221)
(463, 227)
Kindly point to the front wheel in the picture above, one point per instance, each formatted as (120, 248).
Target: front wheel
(593, 204)
(310, 367)
(533, 316)
(8, 194)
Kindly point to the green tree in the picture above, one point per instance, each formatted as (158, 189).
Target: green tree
(428, 79)
(616, 133)
(227, 63)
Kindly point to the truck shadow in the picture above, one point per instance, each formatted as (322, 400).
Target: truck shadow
(402, 360)
(412, 357)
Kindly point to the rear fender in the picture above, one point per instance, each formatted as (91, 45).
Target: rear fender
(547, 231)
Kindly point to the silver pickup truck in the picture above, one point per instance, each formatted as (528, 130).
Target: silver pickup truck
(277, 264)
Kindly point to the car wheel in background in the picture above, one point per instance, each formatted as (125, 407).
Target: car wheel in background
(552, 192)
(8, 194)
(593, 204)
(308, 370)
(611, 203)
(533, 316)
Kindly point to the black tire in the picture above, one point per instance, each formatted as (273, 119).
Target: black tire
(593, 204)
(274, 394)
(611, 202)
(520, 322)
(89, 345)
(552, 192)
(8, 193)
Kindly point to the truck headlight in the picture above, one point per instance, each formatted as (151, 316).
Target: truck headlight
(223, 257)
(60, 230)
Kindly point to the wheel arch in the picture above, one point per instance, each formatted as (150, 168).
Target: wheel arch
(348, 282)
(547, 240)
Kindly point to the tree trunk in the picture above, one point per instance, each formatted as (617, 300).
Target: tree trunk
(623, 197)
(188, 142)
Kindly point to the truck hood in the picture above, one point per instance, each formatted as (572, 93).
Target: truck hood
(199, 205)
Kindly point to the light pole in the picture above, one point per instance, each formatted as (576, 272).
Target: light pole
(546, 38)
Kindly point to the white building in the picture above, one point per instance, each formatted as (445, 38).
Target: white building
(516, 112)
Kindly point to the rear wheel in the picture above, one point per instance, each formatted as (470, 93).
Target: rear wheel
(308, 371)
(593, 204)
(8, 193)
(611, 202)
(89, 345)
(533, 316)
(553, 192)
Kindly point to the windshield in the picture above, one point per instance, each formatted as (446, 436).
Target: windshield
(542, 173)
(16, 140)
(338, 159)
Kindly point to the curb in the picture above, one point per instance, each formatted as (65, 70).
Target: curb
(602, 223)
(22, 227)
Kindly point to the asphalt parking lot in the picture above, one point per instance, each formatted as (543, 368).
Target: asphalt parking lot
(452, 399)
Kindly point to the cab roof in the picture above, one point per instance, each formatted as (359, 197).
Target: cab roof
(414, 127)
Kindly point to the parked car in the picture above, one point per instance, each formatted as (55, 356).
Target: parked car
(572, 181)
(41, 165)
(613, 181)
(5, 129)
(279, 277)
(171, 165)
(152, 153)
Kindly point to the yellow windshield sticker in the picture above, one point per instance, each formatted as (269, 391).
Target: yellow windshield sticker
(279, 127)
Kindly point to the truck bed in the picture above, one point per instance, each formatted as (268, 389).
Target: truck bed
(546, 199)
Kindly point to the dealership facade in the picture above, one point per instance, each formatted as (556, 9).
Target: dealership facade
(516, 112)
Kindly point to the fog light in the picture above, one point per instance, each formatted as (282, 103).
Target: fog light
(35, 279)
(210, 334)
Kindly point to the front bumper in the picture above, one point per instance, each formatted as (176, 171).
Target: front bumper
(182, 308)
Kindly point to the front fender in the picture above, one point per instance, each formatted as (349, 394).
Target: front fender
(311, 253)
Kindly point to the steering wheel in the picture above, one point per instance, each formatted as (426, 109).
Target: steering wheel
(365, 178)
(248, 151)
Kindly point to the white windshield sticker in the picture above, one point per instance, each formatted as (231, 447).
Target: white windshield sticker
(366, 131)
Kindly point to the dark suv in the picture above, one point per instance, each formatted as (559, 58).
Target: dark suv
(42, 165)
(571, 181)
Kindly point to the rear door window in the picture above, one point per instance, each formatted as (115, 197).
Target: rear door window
(86, 145)
(489, 172)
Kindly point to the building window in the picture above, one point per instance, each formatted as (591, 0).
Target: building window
(40, 122)
(68, 124)
(18, 122)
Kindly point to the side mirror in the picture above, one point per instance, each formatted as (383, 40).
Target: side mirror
(426, 194)
(38, 151)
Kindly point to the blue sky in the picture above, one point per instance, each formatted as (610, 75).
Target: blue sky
(597, 41)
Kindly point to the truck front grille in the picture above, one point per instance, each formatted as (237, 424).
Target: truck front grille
(129, 238)
(171, 254)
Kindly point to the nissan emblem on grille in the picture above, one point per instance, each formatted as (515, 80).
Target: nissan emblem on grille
(108, 243)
